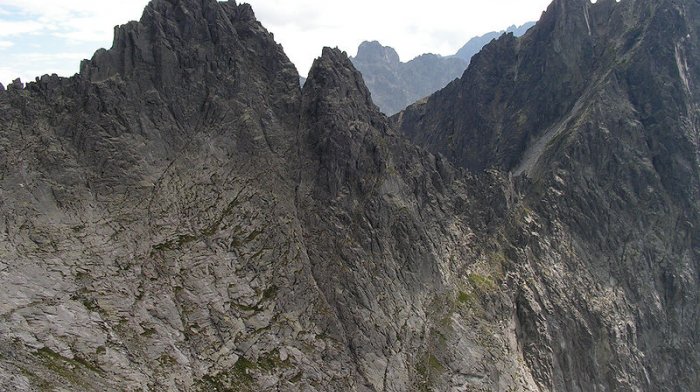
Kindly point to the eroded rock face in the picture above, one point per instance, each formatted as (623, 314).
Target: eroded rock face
(390, 231)
(182, 216)
(595, 116)
(147, 242)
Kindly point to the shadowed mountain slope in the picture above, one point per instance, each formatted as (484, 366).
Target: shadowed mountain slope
(594, 115)
(181, 215)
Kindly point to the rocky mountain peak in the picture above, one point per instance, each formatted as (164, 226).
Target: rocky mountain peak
(342, 122)
(184, 42)
(373, 51)
(16, 84)
(594, 112)
(333, 75)
(568, 23)
(193, 54)
(573, 40)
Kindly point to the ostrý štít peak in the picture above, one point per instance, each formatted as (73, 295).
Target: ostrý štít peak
(395, 84)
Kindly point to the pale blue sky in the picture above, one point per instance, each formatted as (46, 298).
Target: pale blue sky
(53, 36)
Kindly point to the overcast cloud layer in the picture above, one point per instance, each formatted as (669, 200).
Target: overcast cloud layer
(52, 36)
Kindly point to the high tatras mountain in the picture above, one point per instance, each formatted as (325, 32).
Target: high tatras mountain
(394, 84)
(182, 215)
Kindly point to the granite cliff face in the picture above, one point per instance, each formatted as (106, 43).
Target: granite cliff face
(394, 84)
(594, 115)
(181, 215)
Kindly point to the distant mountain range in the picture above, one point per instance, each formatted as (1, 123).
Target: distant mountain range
(395, 85)
(474, 45)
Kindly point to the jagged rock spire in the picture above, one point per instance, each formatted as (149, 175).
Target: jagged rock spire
(333, 75)
(188, 52)
(342, 121)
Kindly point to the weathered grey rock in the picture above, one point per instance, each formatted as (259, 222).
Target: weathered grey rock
(16, 84)
(2, 88)
(387, 228)
(182, 216)
(152, 253)
(594, 116)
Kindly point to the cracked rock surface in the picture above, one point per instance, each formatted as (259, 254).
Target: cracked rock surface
(181, 215)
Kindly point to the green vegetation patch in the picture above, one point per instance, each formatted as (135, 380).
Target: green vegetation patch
(465, 298)
(234, 380)
(481, 282)
(71, 370)
(270, 293)
(428, 369)
(239, 377)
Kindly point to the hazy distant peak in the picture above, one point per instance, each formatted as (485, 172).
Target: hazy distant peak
(375, 51)
(474, 45)
(520, 30)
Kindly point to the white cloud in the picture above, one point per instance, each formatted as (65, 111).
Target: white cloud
(28, 66)
(6, 75)
(14, 28)
(54, 57)
(92, 21)
(411, 27)
(61, 11)
(54, 36)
